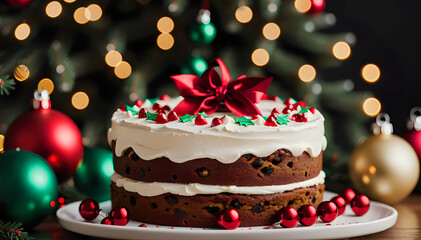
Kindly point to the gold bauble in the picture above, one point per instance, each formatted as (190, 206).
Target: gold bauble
(21, 73)
(384, 167)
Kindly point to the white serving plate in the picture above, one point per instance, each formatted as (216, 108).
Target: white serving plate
(379, 218)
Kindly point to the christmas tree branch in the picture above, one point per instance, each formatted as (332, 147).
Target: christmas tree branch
(12, 231)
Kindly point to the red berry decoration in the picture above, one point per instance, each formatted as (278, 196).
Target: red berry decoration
(348, 194)
(166, 108)
(288, 101)
(327, 211)
(340, 203)
(254, 117)
(360, 205)
(302, 117)
(271, 122)
(300, 103)
(307, 215)
(120, 216)
(138, 103)
(288, 217)
(228, 219)
(275, 110)
(312, 110)
(161, 118)
(172, 116)
(288, 109)
(107, 221)
(200, 120)
(89, 209)
(216, 122)
(156, 107)
(142, 113)
(123, 108)
(164, 97)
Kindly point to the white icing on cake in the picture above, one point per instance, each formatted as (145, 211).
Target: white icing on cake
(157, 188)
(181, 142)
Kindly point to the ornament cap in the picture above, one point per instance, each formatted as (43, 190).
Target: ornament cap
(415, 119)
(382, 125)
(41, 100)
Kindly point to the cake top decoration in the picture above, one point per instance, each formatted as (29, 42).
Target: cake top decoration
(212, 92)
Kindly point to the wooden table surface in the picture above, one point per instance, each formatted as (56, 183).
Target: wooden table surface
(408, 225)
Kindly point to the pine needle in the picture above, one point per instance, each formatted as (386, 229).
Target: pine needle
(12, 231)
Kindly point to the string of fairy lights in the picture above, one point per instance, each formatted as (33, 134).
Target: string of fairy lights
(165, 41)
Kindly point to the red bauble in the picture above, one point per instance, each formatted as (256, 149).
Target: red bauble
(89, 209)
(120, 215)
(414, 138)
(340, 203)
(172, 116)
(216, 122)
(360, 205)
(348, 194)
(228, 219)
(107, 221)
(200, 120)
(288, 217)
(142, 113)
(327, 211)
(317, 6)
(19, 3)
(161, 118)
(307, 215)
(50, 134)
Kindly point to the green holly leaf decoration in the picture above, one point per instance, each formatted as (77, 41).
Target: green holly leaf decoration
(282, 120)
(6, 85)
(151, 116)
(204, 114)
(303, 110)
(187, 118)
(152, 100)
(243, 121)
(131, 109)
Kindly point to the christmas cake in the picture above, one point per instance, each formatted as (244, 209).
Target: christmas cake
(222, 144)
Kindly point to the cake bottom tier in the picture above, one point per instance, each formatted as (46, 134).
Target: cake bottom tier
(201, 210)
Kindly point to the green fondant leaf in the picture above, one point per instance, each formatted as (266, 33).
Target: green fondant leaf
(243, 121)
(187, 118)
(151, 116)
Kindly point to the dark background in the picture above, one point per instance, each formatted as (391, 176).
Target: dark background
(387, 35)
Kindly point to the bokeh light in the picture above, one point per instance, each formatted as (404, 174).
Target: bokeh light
(307, 73)
(80, 100)
(165, 24)
(82, 15)
(46, 84)
(95, 12)
(21, 73)
(113, 58)
(260, 57)
(370, 73)
(22, 31)
(302, 5)
(165, 41)
(70, 1)
(244, 14)
(123, 70)
(271, 31)
(372, 106)
(341, 50)
(53, 9)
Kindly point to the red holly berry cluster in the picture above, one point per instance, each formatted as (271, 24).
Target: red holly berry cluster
(89, 210)
(306, 215)
(290, 106)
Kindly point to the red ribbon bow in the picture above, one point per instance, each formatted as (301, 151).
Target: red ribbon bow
(206, 93)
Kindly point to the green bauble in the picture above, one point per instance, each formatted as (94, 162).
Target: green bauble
(92, 178)
(203, 33)
(195, 65)
(28, 185)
